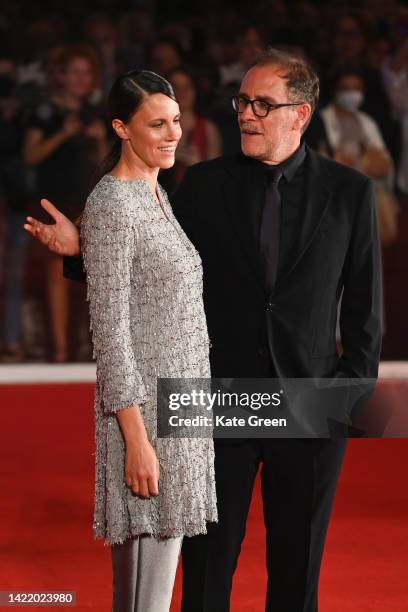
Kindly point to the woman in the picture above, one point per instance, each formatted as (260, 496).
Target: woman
(355, 140)
(65, 141)
(144, 282)
(200, 140)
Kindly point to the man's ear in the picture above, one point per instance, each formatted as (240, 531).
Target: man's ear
(303, 112)
(120, 128)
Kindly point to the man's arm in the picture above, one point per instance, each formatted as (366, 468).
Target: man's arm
(182, 201)
(73, 268)
(361, 309)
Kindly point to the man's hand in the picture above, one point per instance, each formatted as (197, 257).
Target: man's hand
(62, 237)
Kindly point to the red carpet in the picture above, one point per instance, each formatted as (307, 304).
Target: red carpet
(46, 483)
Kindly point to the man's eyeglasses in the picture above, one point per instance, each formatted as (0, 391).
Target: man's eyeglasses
(260, 108)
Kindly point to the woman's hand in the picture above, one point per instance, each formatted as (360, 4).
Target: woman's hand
(62, 237)
(141, 464)
(142, 468)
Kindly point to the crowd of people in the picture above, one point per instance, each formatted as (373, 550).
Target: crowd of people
(55, 73)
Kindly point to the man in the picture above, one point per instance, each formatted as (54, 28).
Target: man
(271, 312)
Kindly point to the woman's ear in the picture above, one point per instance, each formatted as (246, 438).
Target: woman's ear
(120, 129)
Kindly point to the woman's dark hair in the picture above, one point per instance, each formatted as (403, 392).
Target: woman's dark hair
(125, 98)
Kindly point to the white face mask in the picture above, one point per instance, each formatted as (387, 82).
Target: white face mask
(349, 99)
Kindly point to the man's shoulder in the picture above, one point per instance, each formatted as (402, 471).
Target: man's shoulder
(215, 166)
(335, 174)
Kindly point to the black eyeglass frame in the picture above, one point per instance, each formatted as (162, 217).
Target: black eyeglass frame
(269, 105)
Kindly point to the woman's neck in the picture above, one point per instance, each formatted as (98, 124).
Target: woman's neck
(129, 169)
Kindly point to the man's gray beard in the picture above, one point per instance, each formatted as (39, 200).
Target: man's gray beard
(270, 154)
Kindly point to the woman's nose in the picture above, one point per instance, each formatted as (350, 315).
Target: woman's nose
(174, 132)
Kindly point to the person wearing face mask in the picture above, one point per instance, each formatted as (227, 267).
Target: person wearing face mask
(356, 141)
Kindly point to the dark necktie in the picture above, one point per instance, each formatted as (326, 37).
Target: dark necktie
(270, 227)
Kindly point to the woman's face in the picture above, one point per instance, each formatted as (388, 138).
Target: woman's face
(153, 131)
(79, 78)
(184, 89)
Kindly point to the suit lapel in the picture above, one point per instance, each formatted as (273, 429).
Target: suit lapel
(314, 204)
(239, 192)
(238, 195)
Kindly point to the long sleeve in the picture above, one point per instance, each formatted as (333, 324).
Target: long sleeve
(73, 268)
(108, 245)
(360, 316)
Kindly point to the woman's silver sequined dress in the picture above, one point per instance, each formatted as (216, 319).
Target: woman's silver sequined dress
(144, 280)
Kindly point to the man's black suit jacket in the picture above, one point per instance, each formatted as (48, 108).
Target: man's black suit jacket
(291, 332)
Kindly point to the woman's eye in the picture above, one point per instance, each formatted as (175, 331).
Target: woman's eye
(157, 125)
(176, 120)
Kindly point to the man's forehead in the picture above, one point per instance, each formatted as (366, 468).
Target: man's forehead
(265, 79)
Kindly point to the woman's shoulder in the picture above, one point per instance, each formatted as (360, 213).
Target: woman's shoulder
(114, 197)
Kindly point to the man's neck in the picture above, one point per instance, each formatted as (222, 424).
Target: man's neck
(278, 157)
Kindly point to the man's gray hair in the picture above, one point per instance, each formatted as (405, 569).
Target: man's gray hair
(301, 79)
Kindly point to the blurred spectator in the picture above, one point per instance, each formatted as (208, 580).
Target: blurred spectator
(200, 141)
(65, 141)
(134, 40)
(32, 46)
(220, 42)
(101, 32)
(350, 52)
(14, 194)
(180, 33)
(356, 141)
(379, 51)
(395, 73)
(165, 56)
(249, 45)
(306, 28)
(274, 16)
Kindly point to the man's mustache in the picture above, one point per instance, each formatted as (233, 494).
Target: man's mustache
(248, 128)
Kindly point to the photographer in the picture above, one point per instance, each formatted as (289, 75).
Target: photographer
(65, 141)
